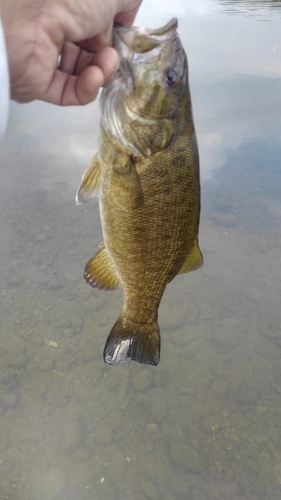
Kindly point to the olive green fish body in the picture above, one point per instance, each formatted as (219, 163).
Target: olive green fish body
(147, 168)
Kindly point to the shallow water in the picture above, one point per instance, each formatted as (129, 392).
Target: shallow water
(206, 423)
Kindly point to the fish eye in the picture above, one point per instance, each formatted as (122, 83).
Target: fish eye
(172, 77)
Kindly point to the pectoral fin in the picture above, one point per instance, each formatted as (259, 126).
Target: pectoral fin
(193, 261)
(127, 184)
(90, 182)
(100, 273)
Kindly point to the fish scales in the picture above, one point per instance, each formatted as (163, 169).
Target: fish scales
(147, 168)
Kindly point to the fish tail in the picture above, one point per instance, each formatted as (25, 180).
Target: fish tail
(130, 340)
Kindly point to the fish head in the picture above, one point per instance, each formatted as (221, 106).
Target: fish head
(140, 106)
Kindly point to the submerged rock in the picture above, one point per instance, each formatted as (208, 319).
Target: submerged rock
(49, 484)
(72, 437)
(184, 456)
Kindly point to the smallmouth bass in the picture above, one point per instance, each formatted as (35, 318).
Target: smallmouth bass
(147, 170)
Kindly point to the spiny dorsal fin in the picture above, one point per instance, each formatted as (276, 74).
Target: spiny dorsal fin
(90, 182)
(194, 259)
(100, 273)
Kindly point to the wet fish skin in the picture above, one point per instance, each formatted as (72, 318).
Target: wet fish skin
(147, 168)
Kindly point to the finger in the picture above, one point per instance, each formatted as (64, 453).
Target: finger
(107, 59)
(71, 90)
(69, 56)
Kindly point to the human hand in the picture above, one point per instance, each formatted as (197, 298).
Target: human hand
(37, 32)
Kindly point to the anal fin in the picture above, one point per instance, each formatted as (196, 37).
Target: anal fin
(100, 273)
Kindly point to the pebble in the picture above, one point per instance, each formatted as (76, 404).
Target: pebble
(22, 493)
(55, 284)
(193, 347)
(262, 245)
(40, 237)
(152, 428)
(178, 337)
(8, 375)
(261, 439)
(276, 387)
(77, 322)
(62, 366)
(9, 380)
(103, 435)
(225, 340)
(17, 279)
(84, 293)
(219, 388)
(10, 400)
(117, 465)
(18, 361)
(261, 410)
(278, 342)
(12, 345)
(182, 455)
(72, 436)
(171, 318)
(81, 454)
(149, 489)
(277, 472)
(88, 355)
(211, 423)
(230, 322)
(239, 423)
(70, 277)
(46, 365)
(93, 304)
(180, 484)
(224, 220)
(248, 393)
(62, 322)
(226, 413)
(142, 379)
(158, 404)
(49, 484)
(253, 294)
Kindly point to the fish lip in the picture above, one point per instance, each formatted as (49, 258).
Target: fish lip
(123, 38)
(168, 27)
(163, 30)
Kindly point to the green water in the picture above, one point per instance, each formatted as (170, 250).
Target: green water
(206, 423)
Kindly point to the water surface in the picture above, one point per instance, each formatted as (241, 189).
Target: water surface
(206, 423)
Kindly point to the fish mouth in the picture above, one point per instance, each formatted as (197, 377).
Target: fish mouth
(120, 32)
(136, 41)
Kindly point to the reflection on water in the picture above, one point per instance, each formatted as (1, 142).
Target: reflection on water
(240, 6)
(204, 424)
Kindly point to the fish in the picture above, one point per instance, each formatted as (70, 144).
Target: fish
(146, 170)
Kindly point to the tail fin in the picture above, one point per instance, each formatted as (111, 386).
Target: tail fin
(133, 341)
